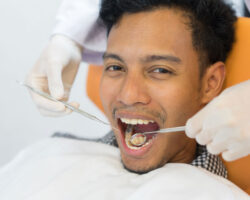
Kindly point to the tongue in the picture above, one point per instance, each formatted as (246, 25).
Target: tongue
(140, 128)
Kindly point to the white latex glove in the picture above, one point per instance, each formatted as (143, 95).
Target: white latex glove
(224, 124)
(54, 73)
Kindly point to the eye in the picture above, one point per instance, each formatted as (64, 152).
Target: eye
(114, 70)
(161, 73)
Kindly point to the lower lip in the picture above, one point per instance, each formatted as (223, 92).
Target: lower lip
(136, 152)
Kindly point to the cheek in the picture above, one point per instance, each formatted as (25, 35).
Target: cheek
(179, 99)
(108, 92)
(105, 93)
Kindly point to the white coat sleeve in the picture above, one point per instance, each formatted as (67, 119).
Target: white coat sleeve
(78, 20)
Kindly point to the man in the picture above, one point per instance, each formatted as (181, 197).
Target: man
(160, 68)
(62, 56)
(164, 62)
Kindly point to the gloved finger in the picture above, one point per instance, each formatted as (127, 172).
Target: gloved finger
(67, 88)
(47, 104)
(204, 137)
(41, 84)
(217, 148)
(55, 82)
(74, 104)
(236, 153)
(64, 112)
(48, 113)
(222, 140)
(68, 110)
(216, 136)
(194, 124)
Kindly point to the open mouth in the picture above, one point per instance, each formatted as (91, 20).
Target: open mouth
(129, 127)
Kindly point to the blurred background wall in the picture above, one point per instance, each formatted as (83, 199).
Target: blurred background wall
(25, 27)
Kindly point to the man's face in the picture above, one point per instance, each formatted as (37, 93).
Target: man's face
(151, 80)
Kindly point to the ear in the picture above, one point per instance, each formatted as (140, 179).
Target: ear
(212, 81)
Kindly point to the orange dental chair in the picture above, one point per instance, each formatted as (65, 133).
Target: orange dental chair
(238, 70)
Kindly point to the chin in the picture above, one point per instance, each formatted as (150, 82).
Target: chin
(141, 166)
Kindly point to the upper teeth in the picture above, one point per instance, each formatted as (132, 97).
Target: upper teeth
(135, 121)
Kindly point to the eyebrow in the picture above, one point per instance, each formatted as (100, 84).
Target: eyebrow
(113, 56)
(170, 58)
(149, 58)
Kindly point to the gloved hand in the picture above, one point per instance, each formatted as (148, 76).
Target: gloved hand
(224, 124)
(54, 73)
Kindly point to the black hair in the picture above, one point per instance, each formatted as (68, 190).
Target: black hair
(211, 23)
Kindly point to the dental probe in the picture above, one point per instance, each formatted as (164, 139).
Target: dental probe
(47, 96)
(167, 130)
(140, 142)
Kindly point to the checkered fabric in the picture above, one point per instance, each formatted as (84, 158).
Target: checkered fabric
(210, 162)
(204, 159)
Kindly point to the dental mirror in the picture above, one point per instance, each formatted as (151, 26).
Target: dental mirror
(140, 139)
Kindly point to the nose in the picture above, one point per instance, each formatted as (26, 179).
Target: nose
(133, 91)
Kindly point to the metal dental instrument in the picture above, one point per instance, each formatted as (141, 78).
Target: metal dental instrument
(92, 117)
(165, 130)
(168, 130)
(85, 114)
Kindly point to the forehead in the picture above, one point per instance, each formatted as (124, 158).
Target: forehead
(159, 31)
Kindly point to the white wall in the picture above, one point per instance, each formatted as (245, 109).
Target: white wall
(25, 27)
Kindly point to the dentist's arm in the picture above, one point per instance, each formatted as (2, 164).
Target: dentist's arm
(224, 124)
(77, 35)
